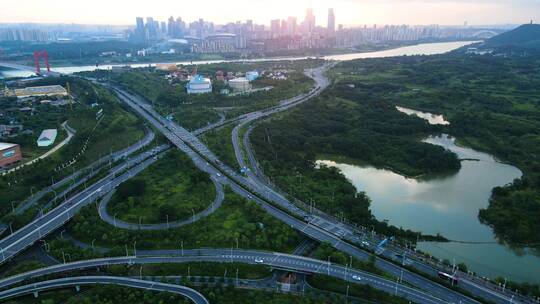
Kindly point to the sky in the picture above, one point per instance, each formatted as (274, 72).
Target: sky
(348, 12)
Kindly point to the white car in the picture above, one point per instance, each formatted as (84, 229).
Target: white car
(218, 175)
(364, 243)
(259, 260)
(356, 278)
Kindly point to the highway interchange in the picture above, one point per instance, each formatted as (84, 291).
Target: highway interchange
(35, 288)
(252, 188)
(275, 260)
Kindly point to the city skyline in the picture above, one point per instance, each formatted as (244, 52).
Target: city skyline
(350, 12)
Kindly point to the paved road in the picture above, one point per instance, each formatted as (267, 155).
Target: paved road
(272, 259)
(75, 176)
(47, 223)
(35, 288)
(200, 154)
(105, 216)
(257, 177)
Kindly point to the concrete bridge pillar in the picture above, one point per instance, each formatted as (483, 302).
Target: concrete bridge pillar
(36, 294)
(77, 288)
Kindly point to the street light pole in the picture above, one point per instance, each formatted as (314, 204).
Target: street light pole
(328, 265)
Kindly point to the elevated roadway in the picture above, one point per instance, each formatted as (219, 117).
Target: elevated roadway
(35, 288)
(272, 259)
(262, 194)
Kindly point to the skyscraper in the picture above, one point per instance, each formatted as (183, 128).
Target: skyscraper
(292, 26)
(172, 27)
(275, 27)
(309, 22)
(140, 31)
(331, 28)
(163, 27)
(151, 29)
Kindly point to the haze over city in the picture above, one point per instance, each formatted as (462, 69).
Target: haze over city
(351, 12)
(270, 151)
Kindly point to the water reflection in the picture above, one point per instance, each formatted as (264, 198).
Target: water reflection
(448, 205)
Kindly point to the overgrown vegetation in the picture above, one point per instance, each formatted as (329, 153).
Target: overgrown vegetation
(196, 111)
(236, 219)
(493, 106)
(171, 189)
(116, 130)
(215, 294)
(351, 121)
(220, 142)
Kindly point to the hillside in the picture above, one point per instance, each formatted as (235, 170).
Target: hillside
(525, 36)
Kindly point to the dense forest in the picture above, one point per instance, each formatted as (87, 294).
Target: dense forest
(493, 104)
(351, 123)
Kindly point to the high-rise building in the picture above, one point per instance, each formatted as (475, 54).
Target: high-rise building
(151, 31)
(171, 27)
(284, 28)
(275, 27)
(181, 26)
(331, 28)
(292, 26)
(309, 22)
(163, 27)
(140, 31)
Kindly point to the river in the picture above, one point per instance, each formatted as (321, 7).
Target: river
(419, 49)
(448, 205)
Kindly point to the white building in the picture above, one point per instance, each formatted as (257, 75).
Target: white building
(47, 138)
(252, 75)
(240, 84)
(199, 85)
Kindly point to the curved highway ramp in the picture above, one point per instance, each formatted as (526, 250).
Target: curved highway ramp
(35, 288)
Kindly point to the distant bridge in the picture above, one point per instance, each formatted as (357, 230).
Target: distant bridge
(21, 67)
(485, 34)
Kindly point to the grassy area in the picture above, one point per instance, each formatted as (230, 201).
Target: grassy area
(172, 188)
(219, 141)
(44, 117)
(117, 129)
(237, 219)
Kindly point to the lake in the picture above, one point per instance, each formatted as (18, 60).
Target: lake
(419, 49)
(433, 119)
(448, 205)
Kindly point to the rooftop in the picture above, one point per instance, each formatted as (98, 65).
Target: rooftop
(199, 79)
(4, 146)
(42, 90)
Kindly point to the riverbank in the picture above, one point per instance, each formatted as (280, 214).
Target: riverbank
(415, 49)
